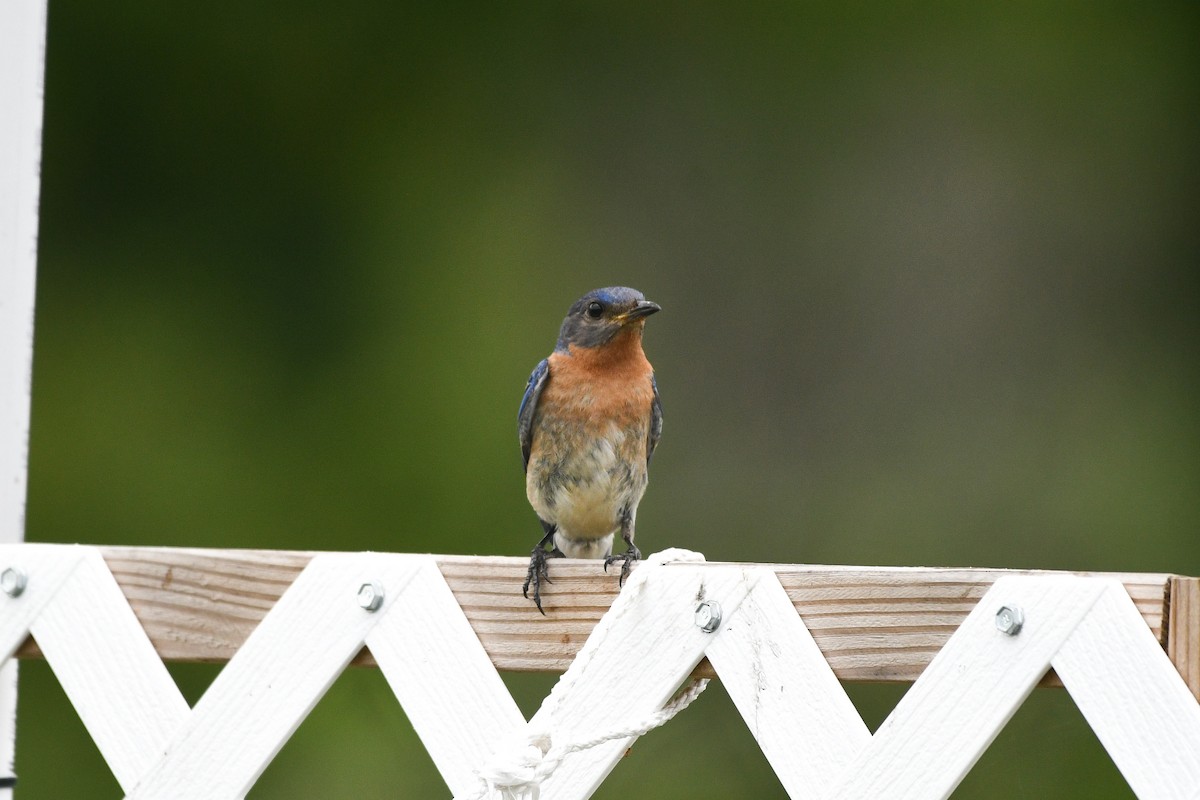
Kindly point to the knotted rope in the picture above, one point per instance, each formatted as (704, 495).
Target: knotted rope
(518, 774)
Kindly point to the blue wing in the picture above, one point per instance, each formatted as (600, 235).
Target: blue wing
(655, 422)
(529, 402)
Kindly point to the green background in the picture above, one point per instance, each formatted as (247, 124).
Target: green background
(928, 271)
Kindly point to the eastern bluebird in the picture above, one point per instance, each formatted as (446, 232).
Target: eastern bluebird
(588, 424)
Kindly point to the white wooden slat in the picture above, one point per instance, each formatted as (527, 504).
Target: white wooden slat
(632, 663)
(48, 567)
(443, 678)
(270, 685)
(1134, 699)
(108, 668)
(22, 65)
(22, 45)
(969, 691)
(786, 692)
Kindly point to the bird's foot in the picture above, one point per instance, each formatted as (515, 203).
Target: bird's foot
(537, 573)
(627, 558)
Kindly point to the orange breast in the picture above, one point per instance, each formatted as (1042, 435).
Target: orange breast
(602, 385)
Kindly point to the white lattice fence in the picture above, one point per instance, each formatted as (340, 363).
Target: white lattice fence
(401, 608)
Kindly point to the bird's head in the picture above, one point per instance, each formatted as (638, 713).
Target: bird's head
(600, 315)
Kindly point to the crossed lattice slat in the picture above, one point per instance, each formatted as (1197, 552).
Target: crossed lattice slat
(634, 660)
(159, 748)
(1086, 628)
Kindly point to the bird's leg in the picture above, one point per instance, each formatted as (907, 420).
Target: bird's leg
(538, 571)
(631, 553)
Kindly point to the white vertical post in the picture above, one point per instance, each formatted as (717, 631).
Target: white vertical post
(22, 65)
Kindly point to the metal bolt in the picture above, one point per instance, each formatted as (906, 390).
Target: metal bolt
(370, 596)
(13, 581)
(708, 616)
(1009, 620)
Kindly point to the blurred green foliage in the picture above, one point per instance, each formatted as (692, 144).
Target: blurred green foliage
(929, 272)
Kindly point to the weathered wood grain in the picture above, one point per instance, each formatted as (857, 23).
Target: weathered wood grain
(1183, 629)
(871, 623)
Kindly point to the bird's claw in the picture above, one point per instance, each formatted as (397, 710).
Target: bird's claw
(627, 558)
(538, 572)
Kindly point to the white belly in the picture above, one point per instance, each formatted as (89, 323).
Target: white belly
(584, 548)
(586, 493)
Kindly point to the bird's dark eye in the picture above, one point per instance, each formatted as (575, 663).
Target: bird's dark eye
(594, 310)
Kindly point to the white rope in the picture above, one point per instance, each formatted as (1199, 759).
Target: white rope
(517, 772)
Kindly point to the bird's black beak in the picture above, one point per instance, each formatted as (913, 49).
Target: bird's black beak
(644, 308)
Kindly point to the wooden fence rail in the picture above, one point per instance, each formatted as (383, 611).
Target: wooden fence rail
(880, 624)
